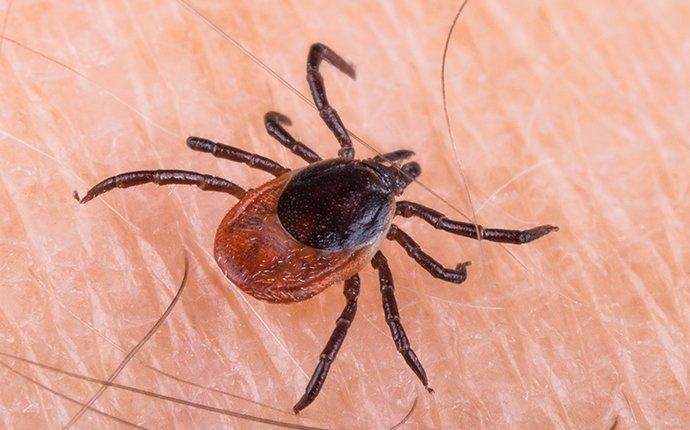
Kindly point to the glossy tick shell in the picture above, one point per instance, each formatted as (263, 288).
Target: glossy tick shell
(305, 230)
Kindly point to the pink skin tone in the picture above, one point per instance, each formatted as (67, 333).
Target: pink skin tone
(566, 114)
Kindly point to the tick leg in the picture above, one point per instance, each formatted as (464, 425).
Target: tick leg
(273, 122)
(162, 177)
(390, 309)
(329, 353)
(432, 266)
(317, 53)
(439, 221)
(400, 154)
(235, 154)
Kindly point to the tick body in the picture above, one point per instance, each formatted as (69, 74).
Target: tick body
(305, 230)
(321, 224)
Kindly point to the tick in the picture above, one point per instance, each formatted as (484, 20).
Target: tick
(321, 224)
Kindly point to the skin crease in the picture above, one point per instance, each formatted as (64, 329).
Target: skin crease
(573, 114)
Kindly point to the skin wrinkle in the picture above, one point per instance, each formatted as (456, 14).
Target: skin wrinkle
(121, 349)
(132, 352)
(4, 22)
(608, 243)
(72, 349)
(243, 300)
(38, 384)
(100, 87)
(153, 394)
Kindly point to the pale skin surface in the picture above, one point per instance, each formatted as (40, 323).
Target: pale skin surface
(573, 114)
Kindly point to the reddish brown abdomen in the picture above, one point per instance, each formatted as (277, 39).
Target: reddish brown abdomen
(256, 253)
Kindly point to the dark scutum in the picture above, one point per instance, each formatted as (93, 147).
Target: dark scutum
(336, 204)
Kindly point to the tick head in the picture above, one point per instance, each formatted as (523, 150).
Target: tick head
(396, 177)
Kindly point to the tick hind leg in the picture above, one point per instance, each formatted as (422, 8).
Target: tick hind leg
(351, 292)
(273, 122)
(235, 154)
(390, 308)
(162, 177)
(439, 221)
(317, 53)
(436, 269)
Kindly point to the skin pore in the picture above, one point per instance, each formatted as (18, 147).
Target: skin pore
(562, 113)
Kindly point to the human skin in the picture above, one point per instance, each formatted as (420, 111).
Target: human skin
(567, 113)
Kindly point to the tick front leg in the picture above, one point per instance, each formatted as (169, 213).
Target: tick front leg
(390, 309)
(432, 266)
(398, 155)
(439, 221)
(351, 292)
(317, 53)
(162, 177)
(236, 154)
(273, 121)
